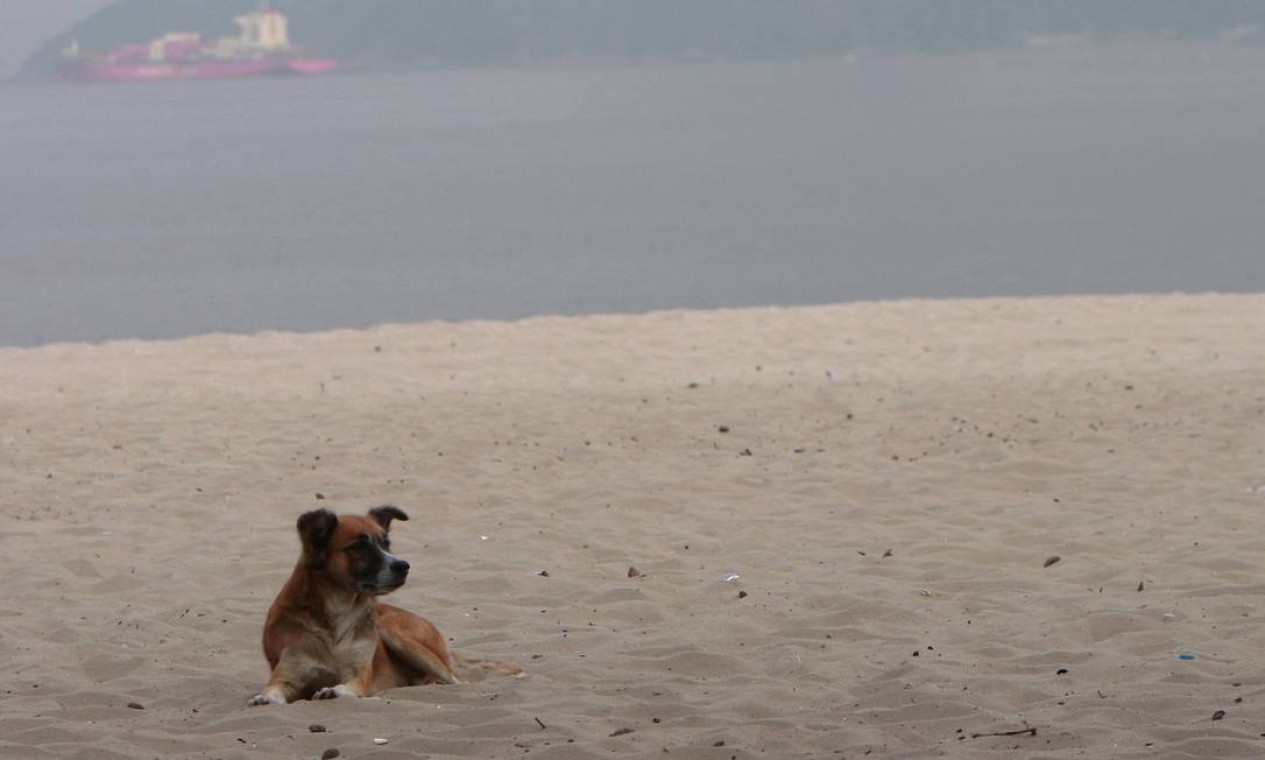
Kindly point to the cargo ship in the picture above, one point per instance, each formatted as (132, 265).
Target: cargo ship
(262, 48)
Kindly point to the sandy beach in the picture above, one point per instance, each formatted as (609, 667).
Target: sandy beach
(976, 528)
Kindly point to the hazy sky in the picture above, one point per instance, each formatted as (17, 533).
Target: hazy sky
(25, 24)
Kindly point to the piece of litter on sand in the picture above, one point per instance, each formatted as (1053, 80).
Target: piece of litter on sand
(381, 741)
(732, 578)
(1184, 656)
(1030, 731)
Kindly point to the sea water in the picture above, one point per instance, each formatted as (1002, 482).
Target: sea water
(171, 209)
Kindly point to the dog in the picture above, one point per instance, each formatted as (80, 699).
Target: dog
(327, 635)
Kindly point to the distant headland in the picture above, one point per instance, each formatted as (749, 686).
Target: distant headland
(420, 34)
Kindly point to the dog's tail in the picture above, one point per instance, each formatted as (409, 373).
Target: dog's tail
(499, 667)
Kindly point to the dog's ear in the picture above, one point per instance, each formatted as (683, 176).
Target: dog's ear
(316, 529)
(385, 514)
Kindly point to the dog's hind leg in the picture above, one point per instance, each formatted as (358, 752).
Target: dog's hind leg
(413, 641)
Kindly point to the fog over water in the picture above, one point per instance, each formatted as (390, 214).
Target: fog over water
(171, 209)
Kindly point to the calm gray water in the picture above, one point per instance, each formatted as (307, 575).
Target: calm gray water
(168, 210)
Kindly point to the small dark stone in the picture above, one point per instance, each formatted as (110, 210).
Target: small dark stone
(330, 753)
(316, 728)
(742, 594)
(622, 731)
(1218, 715)
(1061, 672)
(1051, 560)
(634, 572)
(320, 497)
(135, 706)
(723, 428)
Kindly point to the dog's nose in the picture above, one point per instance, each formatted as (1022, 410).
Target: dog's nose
(399, 567)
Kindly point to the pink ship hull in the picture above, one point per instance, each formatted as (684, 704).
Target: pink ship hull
(160, 71)
(308, 66)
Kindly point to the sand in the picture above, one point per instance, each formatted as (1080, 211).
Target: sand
(842, 519)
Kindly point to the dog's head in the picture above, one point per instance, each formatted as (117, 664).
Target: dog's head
(353, 551)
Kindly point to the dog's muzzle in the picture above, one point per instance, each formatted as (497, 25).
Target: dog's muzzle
(393, 573)
(398, 568)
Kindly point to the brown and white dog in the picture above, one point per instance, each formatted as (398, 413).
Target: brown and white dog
(328, 636)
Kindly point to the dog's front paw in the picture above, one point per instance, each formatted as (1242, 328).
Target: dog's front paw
(266, 699)
(338, 690)
(329, 692)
